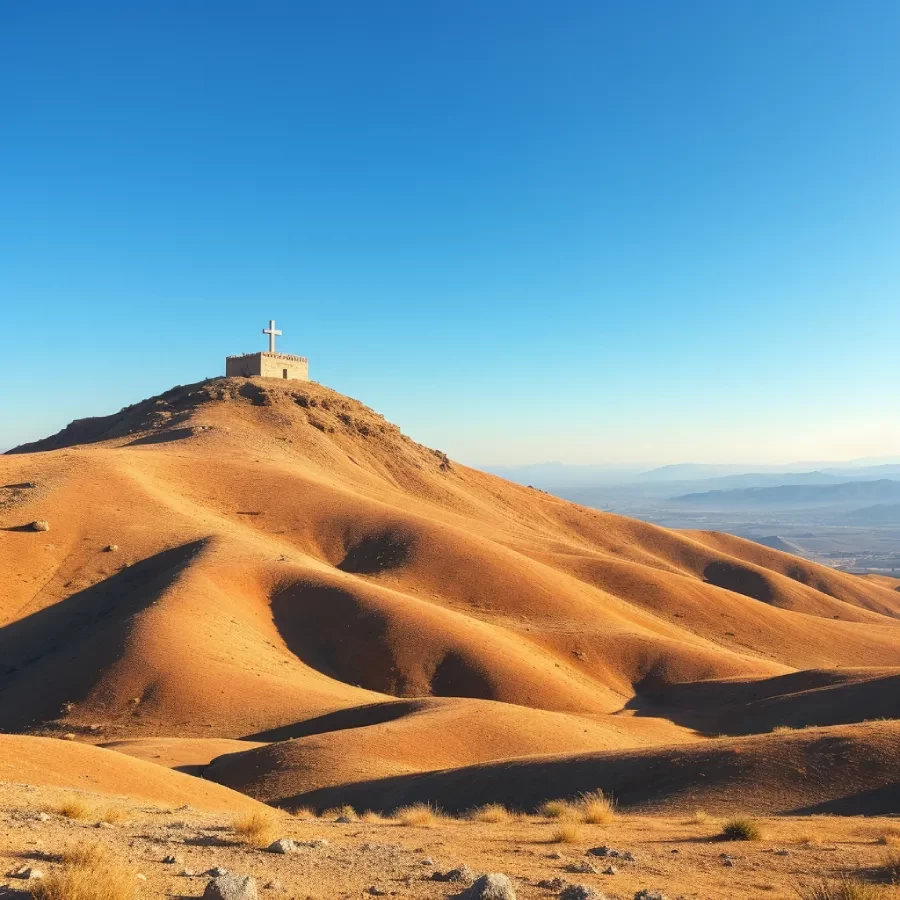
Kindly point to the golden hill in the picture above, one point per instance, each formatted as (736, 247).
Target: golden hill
(290, 567)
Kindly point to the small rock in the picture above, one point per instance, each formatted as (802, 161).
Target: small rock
(782, 853)
(141, 877)
(216, 872)
(602, 851)
(206, 840)
(343, 820)
(110, 548)
(171, 860)
(729, 862)
(283, 845)
(273, 886)
(582, 868)
(69, 736)
(231, 887)
(644, 894)
(493, 886)
(316, 844)
(581, 892)
(463, 873)
(376, 891)
(428, 861)
(552, 884)
(43, 817)
(102, 825)
(40, 525)
(628, 856)
(187, 873)
(610, 870)
(555, 855)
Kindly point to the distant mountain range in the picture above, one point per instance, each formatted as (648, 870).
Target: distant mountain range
(798, 496)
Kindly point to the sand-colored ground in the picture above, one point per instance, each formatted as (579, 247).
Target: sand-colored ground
(268, 584)
(677, 855)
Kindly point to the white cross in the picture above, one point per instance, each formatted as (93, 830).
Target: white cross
(271, 332)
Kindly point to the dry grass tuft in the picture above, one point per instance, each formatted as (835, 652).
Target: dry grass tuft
(493, 813)
(699, 817)
(303, 812)
(741, 830)
(372, 818)
(596, 808)
(843, 889)
(558, 809)
(89, 872)
(73, 808)
(422, 814)
(567, 833)
(113, 815)
(257, 829)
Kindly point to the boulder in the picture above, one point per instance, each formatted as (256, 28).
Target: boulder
(40, 525)
(493, 886)
(283, 845)
(231, 887)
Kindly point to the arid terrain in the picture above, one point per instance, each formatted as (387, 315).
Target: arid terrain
(261, 592)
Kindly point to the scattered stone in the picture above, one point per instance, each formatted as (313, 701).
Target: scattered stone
(69, 736)
(463, 873)
(628, 856)
(782, 853)
(493, 886)
(188, 873)
(729, 862)
(40, 525)
(171, 859)
(376, 891)
(603, 851)
(581, 892)
(206, 840)
(231, 887)
(110, 548)
(582, 868)
(552, 884)
(283, 845)
(217, 872)
(43, 817)
(555, 855)
(343, 820)
(141, 877)
(644, 894)
(102, 825)
(317, 844)
(428, 861)
(610, 870)
(273, 886)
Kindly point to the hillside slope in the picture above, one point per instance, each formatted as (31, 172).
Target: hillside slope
(283, 555)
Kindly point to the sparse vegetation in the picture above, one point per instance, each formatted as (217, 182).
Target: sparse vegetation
(781, 729)
(370, 817)
(892, 866)
(566, 833)
(558, 809)
(303, 812)
(256, 829)
(73, 808)
(741, 830)
(422, 814)
(699, 817)
(112, 815)
(493, 813)
(843, 888)
(89, 872)
(596, 808)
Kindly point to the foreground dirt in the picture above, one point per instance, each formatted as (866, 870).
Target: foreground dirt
(678, 856)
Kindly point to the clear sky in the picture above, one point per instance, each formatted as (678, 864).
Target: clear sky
(581, 231)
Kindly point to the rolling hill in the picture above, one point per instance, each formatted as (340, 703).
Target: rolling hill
(272, 563)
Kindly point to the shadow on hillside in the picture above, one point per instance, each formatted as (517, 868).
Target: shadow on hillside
(341, 720)
(57, 654)
(163, 437)
(810, 698)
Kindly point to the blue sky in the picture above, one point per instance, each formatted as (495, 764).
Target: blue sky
(578, 231)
